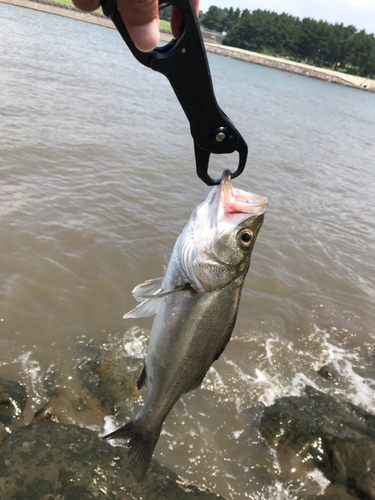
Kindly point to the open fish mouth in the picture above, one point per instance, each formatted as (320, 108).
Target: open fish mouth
(237, 201)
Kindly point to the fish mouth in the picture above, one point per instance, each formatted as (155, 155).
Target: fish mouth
(236, 201)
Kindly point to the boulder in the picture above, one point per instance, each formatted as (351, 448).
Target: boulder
(109, 375)
(319, 430)
(12, 405)
(53, 461)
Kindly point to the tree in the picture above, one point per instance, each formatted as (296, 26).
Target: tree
(316, 42)
(214, 19)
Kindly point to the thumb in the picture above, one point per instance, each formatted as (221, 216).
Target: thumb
(141, 18)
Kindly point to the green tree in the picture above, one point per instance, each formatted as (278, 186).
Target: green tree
(214, 18)
(315, 42)
(165, 13)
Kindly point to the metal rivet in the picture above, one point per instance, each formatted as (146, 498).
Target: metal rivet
(183, 51)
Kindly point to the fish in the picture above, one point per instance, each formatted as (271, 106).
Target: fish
(195, 306)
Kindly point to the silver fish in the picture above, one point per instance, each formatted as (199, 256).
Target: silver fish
(196, 306)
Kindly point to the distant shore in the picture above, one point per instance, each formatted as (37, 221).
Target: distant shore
(294, 67)
(244, 55)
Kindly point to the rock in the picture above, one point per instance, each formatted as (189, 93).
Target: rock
(68, 404)
(12, 405)
(318, 430)
(108, 386)
(109, 375)
(326, 372)
(67, 408)
(52, 461)
(334, 492)
(45, 413)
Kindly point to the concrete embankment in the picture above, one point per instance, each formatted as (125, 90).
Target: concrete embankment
(243, 55)
(293, 67)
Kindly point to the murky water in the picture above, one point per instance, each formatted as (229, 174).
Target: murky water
(97, 180)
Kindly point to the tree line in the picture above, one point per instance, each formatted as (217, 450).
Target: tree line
(319, 43)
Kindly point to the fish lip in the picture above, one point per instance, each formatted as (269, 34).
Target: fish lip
(225, 188)
(232, 200)
(226, 182)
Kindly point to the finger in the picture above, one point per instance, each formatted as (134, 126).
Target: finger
(141, 18)
(177, 21)
(87, 5)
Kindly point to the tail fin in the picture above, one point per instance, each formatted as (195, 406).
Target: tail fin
(141, 446)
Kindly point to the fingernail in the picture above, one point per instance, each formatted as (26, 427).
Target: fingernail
(146, 36)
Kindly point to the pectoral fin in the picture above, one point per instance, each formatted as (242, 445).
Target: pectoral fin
(149, 287)
(150, 294)
(153, 289)
(146, 308)
(168, 291)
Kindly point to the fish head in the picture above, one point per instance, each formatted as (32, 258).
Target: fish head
(215, 246)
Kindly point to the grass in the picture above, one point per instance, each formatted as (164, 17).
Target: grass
(165, 25)
(64, 2)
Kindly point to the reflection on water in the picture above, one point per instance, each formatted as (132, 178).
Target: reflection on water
(97, 180)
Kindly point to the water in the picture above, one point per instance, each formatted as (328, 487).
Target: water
(97, 180)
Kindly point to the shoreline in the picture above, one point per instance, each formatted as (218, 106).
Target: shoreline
(244, 55)
(328, 75)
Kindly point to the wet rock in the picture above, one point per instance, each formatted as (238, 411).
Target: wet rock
(45, 413)
(109, 375)
(326, 372)
(49, 461)
(66, 407)
(12, 405)
(106, 384)
(334, 492)
(68, 402)
(318, 430)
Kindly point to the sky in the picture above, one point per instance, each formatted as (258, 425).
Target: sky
(359, 13)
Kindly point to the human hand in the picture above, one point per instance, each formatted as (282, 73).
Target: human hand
(141, 18)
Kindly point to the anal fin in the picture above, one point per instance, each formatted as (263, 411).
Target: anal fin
(142, 378)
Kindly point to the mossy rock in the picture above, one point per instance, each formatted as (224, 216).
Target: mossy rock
(52, 461)
(12, 405)
(109, 375)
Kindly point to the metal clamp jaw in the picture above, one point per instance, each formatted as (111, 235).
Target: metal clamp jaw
(184, 62)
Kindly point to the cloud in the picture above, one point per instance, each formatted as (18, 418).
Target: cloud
(362, 4)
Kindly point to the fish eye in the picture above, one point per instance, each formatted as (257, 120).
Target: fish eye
(245, 237)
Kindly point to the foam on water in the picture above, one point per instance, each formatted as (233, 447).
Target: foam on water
(109, 426)
(31, 377)
(360, 390)
(135, 343)
(287, 368)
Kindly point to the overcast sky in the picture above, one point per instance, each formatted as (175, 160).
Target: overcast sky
(360, 13)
